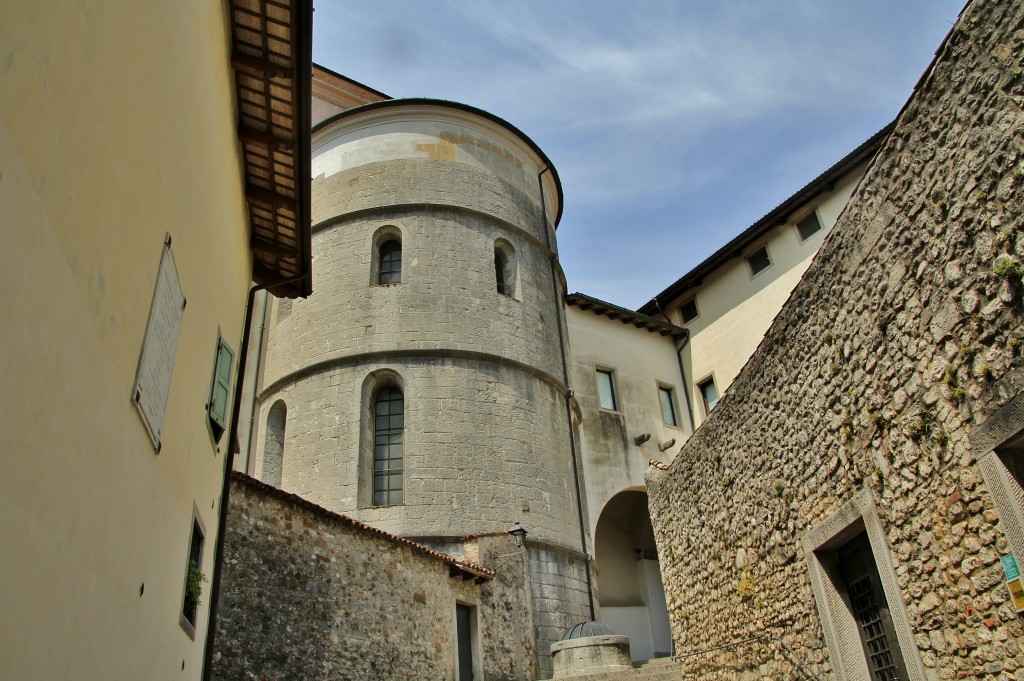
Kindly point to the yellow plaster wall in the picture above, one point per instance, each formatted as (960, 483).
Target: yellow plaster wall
(116, 127)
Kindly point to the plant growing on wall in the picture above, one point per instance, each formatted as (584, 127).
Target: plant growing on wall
(193, 585)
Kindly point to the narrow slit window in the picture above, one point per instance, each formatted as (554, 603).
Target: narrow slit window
(499, 273)
(688, 310)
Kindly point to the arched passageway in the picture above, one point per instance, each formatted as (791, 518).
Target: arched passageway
(630, 591)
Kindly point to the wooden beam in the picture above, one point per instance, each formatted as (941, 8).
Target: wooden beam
(258, 68)
(263, 139)
(267, 197)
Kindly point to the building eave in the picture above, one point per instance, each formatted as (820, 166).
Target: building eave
(776, 217)
(271, 54)
(641, 321)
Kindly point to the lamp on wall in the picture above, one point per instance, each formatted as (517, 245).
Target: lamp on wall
(518, 533)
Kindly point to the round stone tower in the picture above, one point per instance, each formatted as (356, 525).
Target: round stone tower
(422, 387)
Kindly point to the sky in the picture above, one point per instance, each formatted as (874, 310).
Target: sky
(673, 124)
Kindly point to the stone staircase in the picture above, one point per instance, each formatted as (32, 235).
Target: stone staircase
(659, 669)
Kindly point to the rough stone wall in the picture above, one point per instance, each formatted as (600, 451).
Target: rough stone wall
(903, 336)
(308, 595)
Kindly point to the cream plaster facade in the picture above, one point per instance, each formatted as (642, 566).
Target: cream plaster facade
(117, 129)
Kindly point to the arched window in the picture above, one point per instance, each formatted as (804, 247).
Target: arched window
(505, 268)
(499, 272)
(386, 256)
(273, 447)
(388, 429)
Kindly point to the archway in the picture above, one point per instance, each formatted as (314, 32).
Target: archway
(629, 586)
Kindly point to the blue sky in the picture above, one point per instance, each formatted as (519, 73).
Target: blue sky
(674, 125)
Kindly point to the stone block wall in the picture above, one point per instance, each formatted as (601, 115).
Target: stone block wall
(308, 594)
(559, 588)
(904, 336)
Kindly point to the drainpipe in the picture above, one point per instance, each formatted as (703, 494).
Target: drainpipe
(229, 460)
(249, 464)
(682, 371)
(568, 395)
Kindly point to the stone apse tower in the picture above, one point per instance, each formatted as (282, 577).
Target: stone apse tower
(422, 388)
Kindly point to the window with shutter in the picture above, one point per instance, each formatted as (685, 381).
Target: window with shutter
(220, 390)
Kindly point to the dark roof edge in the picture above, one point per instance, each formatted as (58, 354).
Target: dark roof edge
(601, 307)
(861, 154)
(465, 566)
(351, 80)
(462, 107)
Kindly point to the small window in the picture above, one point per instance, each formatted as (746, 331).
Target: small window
(668, 405)
(220, 390)
(194, 579)
(388, 430)
(390, 263)
(505, 267)
(708, 394)
(273, 447)
(809, 226)
(499, 272)
(688, 310)
(606, 390)
(759, 260)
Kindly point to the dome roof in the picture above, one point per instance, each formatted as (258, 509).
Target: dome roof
(587, 629)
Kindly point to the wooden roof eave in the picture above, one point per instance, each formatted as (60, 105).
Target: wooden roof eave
(271, 56)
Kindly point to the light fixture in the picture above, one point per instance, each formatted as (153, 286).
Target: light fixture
(518, 533)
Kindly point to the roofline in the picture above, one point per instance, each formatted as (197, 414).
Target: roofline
(777, 216)
(444, 103)
(464, 566)
(601, 307)
(334, 73)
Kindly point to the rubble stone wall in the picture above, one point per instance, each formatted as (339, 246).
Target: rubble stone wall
(307, 594)
(904, 336)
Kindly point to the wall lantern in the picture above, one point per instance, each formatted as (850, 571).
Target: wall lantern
(518, 533)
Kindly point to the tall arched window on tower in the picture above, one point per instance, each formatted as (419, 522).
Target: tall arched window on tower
(273, 447)
(388, 429)
(505, 268)
(387, 256)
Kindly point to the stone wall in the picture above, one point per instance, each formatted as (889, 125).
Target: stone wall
(308, 594)
(904, 336)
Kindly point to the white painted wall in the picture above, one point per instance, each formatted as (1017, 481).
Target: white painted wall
(736, 308)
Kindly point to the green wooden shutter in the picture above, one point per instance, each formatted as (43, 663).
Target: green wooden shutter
(220, 392)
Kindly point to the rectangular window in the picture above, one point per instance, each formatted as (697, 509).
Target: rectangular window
(708, 394)
(809, 226)
(606, 390)
(759, 260)
(220, 390)
(194, 579)
(668, 405)
(688, 310)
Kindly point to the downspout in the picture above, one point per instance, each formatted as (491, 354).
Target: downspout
(568, 395)
(682, 371)
(229, 460)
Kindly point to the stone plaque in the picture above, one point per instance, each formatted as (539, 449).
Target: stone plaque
(153, 377)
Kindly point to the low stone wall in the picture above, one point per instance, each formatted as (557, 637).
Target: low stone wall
(904, 335)
(308, 594)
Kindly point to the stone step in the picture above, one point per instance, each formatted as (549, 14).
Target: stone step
(659, 669)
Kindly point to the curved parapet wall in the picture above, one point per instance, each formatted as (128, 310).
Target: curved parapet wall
(476, 352)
